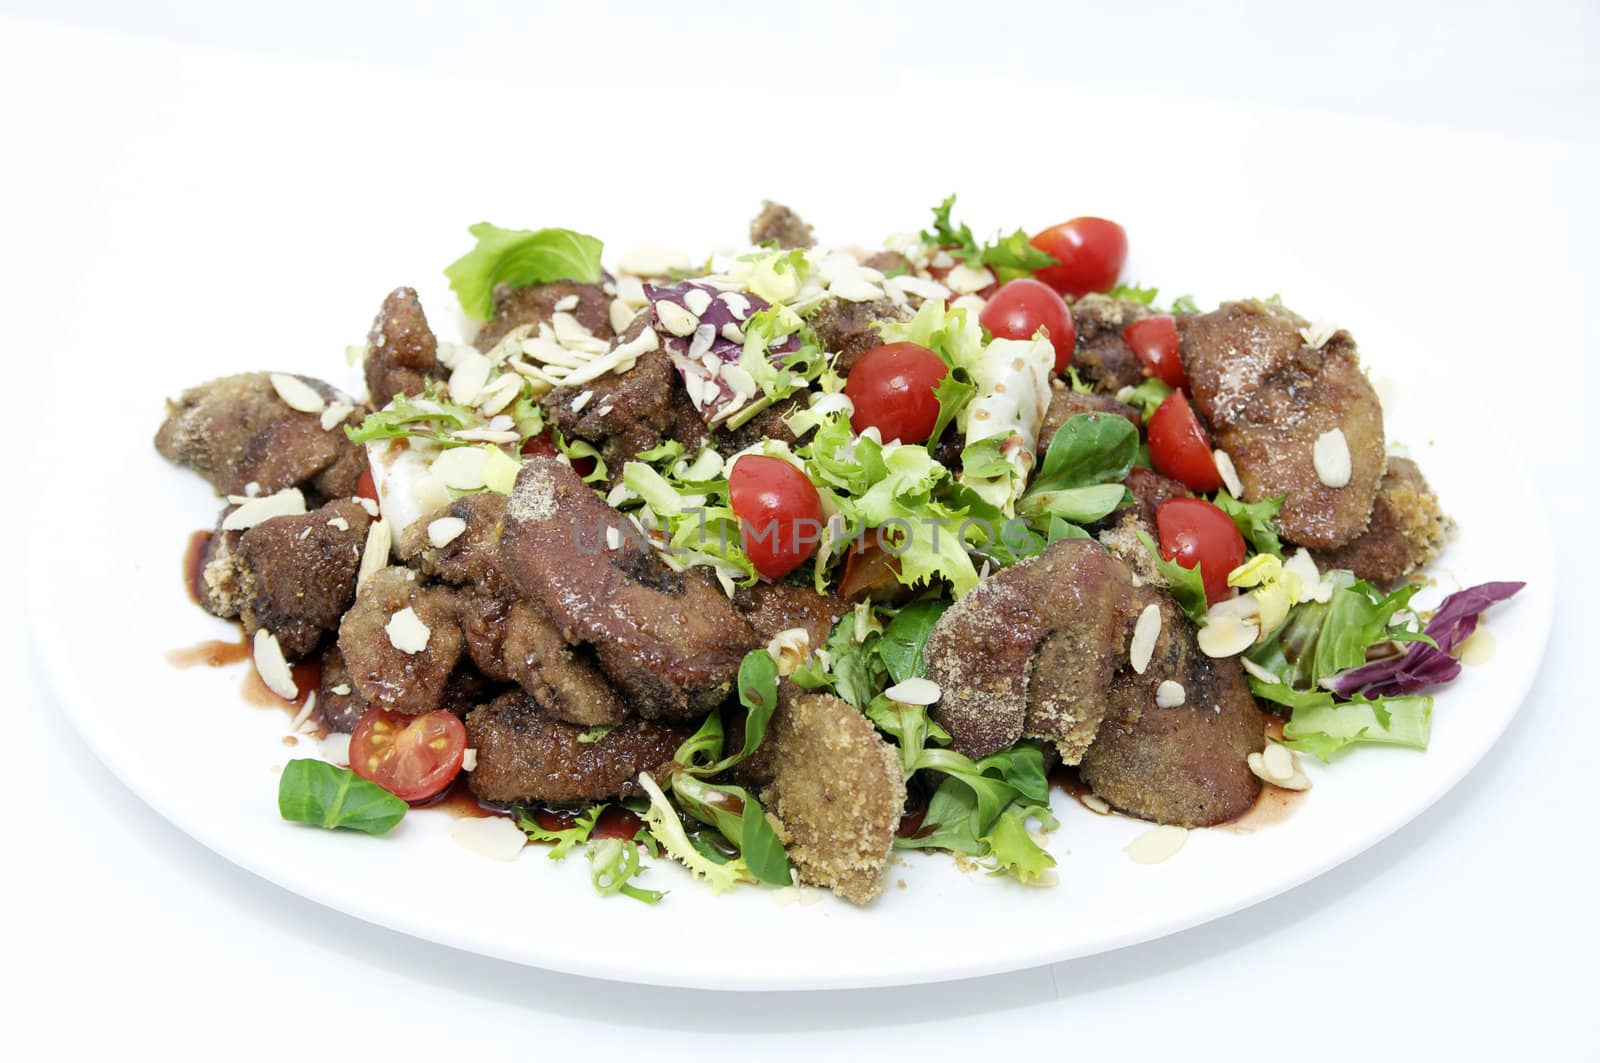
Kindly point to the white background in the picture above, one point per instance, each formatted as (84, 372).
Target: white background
(1466, 140)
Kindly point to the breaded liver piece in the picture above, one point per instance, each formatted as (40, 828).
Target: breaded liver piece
(237, 431)
(535, 304)
(848, 330)
(296, 575)
(523, 755)
(386, 674)
(1406, 531)
(402, 352)
(1269, 395)
(778, 224)
(838, 790)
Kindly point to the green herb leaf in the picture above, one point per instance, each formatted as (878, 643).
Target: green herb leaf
(613, 863)
(318, 793)
(1184, 584)
(904, 637)
(953, 392)
(519, 257)
(1256, 521)
(1185, 304)
(564, 839)
(1084, 505)
(1132, 293)
(1091, 448)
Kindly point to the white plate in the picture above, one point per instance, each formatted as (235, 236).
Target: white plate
(185, 742)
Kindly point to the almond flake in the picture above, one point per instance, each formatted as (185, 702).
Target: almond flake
(469, 759)
(789, 649)
(1157, 845)
(1096, 804)
(271, 665)
(336, 750)
(334, 415)
(697, 300)
(407, 633)
(370, 506)
(461, 467)
(286, 503)
(1318, 334)
(621, 316)
(1145, 633)
(1259, 672)
(1330, 455)
(1170, 694)
(968, 280)
(495, 837)
(468, 378)
(445, 531)
(581, 401)
(1231, 627)
(375, 555)
(566, 302)
(914, 691)
(296, 393)
(1230, 475)
(339, 522)
(675, 319)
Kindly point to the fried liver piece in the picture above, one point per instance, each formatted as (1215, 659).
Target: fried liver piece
(1120, 531)
(1066, 404)
(384, 674)
(340, 704)
(535, 305)
(236, 431)
(848, 330)
(1041, 649)
(631, 411)
(402, 353)
(772, 608)
(1183, 766)
(838, 790)
(524, 755)
(296, 575)
(1268, 395)
(778, 224)
(1405, 533)
(515, 642)
(472, 558)
(670, 642)
(1102, 356)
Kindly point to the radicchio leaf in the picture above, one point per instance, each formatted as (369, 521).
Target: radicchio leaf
(704, 357)
(1423, 666)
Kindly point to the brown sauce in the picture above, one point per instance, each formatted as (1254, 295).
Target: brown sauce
(614, 822)
(213, 653)
(1274, 727)
(1272, 806)
(307, 678)
(194, 564)
(460, 803)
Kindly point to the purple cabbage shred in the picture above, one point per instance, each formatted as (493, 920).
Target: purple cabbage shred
(1423, 666)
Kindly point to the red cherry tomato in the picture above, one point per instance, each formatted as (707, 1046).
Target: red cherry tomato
(1155, 341)
(779, 511)
(413, 757)
(1179, 447)
(1194, 532)
(366, 487)
(1089, 253)
(1021, 306)
(891, 388)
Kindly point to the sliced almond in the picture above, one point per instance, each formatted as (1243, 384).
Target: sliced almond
(375, 554)
(1330, 455)
(1145, 632)
(495, 837)
(914, 691)
(790, 649)
(468, 378)
(1232, 626)
(461, 467)
(652, 262)
(287, 503)
(967, 280)
(1230, 475)
(296, 393)
(1157, 845)
(675, 319)
(1170, 694)
(407, 633)
(271, 665)
(445, 530)
(334, 415)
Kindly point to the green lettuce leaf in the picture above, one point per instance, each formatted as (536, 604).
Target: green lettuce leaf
(1257, 521)
(1184, 584)
(613, 863)
(1149, 395)
(904, 637)
(1013, 851)
(565, 839)
(519, 257)
(1088, 449)
(1321, 726)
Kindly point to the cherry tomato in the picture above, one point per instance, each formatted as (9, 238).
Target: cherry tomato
(366, 487)
(1155, 341)
(779, 511)
(1089, 253)
(1194, 532)
(870, 571)
(413, 757)
(891, 388)
(1021, 306)
(1179, 447)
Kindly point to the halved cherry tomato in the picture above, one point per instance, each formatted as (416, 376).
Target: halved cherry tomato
(779, 511)
(366, 487)
(1155, 341)
(413, 757)
(1021, 306)
(1194, 532)
(870, 571)
(891, 388)
(1179, 447)
(1090, 254)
